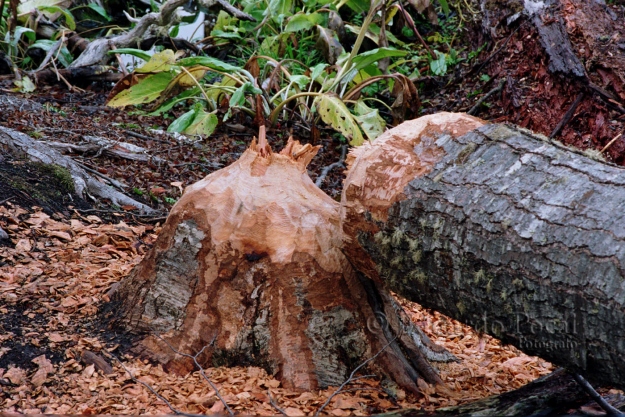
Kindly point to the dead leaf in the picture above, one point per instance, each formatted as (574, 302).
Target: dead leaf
(61, 235)
(17, 376)
(294, 412)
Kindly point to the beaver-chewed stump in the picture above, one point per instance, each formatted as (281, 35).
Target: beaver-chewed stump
(249, 266)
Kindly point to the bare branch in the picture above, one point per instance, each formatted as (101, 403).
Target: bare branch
(351, 377)
(326, 170)
(186, 355)
(275, 405)
(608, 408)
(152, 390)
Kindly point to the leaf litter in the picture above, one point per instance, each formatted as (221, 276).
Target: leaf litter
(59, 272)
(55, 354)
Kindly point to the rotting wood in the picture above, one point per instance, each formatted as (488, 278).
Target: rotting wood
(513, 234)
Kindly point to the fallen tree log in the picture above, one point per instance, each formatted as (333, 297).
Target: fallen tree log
(83, 183)
(511, 233)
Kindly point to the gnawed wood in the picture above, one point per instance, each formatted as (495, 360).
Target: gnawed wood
(249, 264)
(513, 234)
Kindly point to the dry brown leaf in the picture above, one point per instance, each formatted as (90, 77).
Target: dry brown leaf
(17, 376)
(294, 412)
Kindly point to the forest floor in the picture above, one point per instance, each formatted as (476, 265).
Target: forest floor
(64, 254)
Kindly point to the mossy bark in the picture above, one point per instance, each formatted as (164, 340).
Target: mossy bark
(511, 233)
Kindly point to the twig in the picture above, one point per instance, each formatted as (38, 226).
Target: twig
(568, 115)
(6, 199)
(606, 96)
(351, 377)
(145, 137)
(485, 97)
(274, 405)
(111, 181)
(608, 408)
(152, 390)
(326, 170)
(51, 52)
(487, 60)
(151, 217)
(414, 29)
(605, 148)
(186, 355)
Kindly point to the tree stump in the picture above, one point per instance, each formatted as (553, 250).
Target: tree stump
(249, 265)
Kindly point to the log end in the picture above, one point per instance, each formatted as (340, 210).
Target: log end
(378, 173)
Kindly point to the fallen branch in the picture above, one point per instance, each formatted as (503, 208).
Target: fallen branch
(199, 367)
(274, 405)
(337, 164)
(84, 183)
(568, 115)
(608, 408)
(100, 145)
(351, 377)
(485, 97)
(152, 390)
(97, 51)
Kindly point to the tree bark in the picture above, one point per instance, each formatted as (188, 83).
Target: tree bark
(249, 268)
(84, 184)
(505, 231)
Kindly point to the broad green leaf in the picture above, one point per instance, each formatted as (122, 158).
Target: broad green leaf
(303, 21)
(317, 70)
(274, 44)
(301, 80)
(17, 35)
(25, 7)
(173, 32)
(183, 122)
(99, 10)
(365, 59)
(444, 6)
(238, 97)
(226, 35)
(216, 91)
(64, 55)
(132, 51)
(197, 72)
(334, 112)
(277, 9)
(169, 104)
(369, 120)
(438, 66)
(159, 62)
(69, 19)
(366, 73)
(203, 124)
(223, 20)
(147, 90)
(209, 62)
(359, 6)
